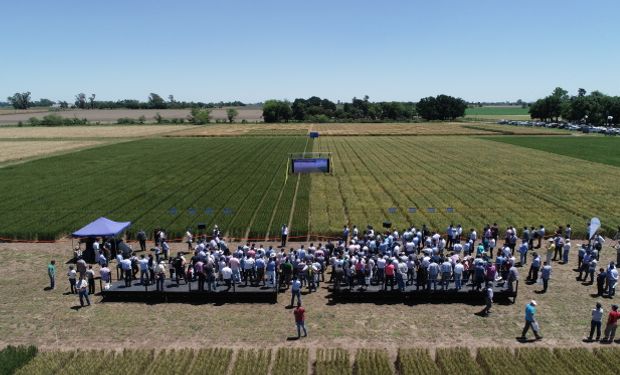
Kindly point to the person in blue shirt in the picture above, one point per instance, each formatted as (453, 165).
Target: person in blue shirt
(534, 267)
(523, 254)
(530, 321)
(295, 291)
(271, 270)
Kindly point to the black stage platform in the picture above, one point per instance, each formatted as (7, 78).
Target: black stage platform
(376, 294)
(189, 292)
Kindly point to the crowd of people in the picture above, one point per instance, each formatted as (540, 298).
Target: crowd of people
(416, 258)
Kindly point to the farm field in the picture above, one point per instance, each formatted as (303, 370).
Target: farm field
(363, 129)
(498, 112)
(240, 184)
(9, 117)
(398, 179)
(88, 132)
(20, 150)
(597, 149)
(296, 362)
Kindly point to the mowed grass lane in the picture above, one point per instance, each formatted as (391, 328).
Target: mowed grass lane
(380, 179)
(593, 148)
(172, 183)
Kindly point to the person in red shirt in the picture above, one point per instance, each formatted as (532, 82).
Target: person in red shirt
(612, 324)
(300, 317)
(389, 276)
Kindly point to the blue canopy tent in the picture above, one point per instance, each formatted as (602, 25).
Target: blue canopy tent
(102, 227)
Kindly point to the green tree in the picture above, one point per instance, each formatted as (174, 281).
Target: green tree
(231, 113)
(80, 100)
(156, 101)
(200, 116)
(277, 111)
(91, 99)
(20, 100)
(43, 103)
(441, 107)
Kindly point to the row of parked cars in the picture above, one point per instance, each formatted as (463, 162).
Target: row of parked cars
(585, 128)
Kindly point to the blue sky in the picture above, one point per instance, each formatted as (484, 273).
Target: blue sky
(257, 50)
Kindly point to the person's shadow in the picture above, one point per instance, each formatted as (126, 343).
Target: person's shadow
(47, 288)
(525, 341)
(292, 338)
(76, 307)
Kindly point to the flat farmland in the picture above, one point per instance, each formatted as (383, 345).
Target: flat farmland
(362, 129)
(89, 132)
(11, 151)
(241, 184)
(398, 179)
(238, 183)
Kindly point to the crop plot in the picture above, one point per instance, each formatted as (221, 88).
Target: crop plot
(465, 180)
(169, 183)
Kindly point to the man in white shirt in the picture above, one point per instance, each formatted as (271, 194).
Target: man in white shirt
(126, 269)
(446, 273)
(226, 274)
(144, 270)
(458, 274)
(82, 287)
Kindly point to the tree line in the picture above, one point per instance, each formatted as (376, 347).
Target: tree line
(315, 109)
(82, 101)
(592, 108)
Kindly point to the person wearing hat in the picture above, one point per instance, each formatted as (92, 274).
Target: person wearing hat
(612, 324)
(597, 317)
(530, 321)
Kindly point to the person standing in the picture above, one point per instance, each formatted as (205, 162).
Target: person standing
(106, 277)
(51, 272)
(72, 276)
(534, 267)
(126, 269)
(90, 276)
(566, 250)
(530, 321)
(601, 278)
(189, 239)
(142, 239)
(82, 287)
(612, 279)
(595, 324)
(81, 267)
(300, 319)
(612, 324)
(488, 298)
(161, 276)
(546, 275)
(284, 235)
(458, 274)
(295, 291)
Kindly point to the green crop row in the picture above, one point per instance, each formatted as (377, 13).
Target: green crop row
(332, 362)
(252, 362)
(290, 362)
(295, 361)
